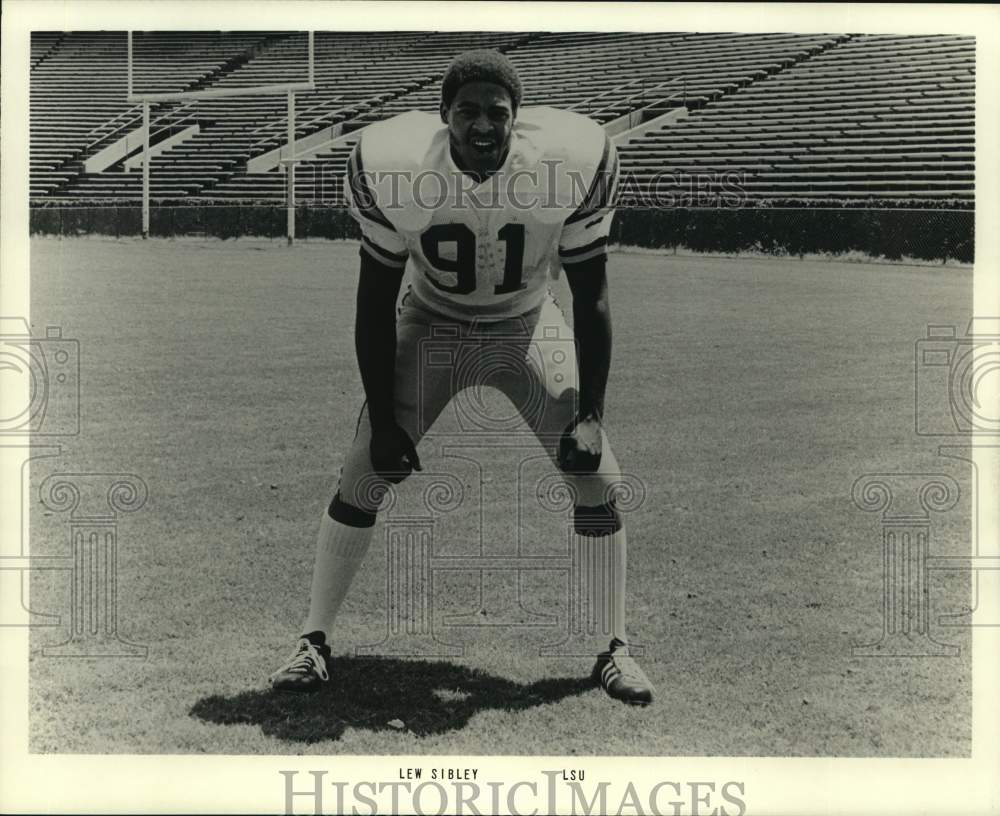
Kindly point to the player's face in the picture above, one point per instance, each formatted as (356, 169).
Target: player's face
(480, 121)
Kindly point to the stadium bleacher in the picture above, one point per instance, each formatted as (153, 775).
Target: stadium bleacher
(811, 117)
(875, 118)
(579, 72)
(79, 96)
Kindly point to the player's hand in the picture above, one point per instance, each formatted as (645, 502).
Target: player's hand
(580, 446)
(393, 454)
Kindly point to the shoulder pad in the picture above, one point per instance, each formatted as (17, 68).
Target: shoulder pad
(394, 152)
(568, 149)
(564, 134)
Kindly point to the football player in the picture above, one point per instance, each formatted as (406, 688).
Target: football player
(479, 204)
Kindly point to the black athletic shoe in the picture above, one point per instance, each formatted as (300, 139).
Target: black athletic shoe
(306, 670)
(620, 676)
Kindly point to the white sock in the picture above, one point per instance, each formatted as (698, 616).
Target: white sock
(601, 584)
(340, 549)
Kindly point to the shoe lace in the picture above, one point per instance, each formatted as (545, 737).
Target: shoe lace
(307, 658)
(626, 666)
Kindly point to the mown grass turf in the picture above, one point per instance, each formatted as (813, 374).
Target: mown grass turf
(747, 395)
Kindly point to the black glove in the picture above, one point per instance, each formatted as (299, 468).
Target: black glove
(580, 446)
(393, 454)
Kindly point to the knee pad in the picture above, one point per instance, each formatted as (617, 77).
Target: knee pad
(598, 521)
(593, 489)
(348, 514)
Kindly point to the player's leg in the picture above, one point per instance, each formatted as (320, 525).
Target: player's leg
(598, 528)
(346, 528)
(599, 532)
(347, 524)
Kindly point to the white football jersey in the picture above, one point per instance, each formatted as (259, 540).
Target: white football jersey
(484, 250)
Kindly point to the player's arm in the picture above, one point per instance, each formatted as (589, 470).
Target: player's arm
(580, 447)
(588, 282)
(583, 253)
(383, 261)
(375, 337)
(392, 452)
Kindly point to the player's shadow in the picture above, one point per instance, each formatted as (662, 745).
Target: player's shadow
(428, 697)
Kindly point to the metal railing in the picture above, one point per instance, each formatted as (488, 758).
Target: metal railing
(135, 112)
(280, 125)
(172, 119)
(168, 117)
(637, 95)
(587, 104)
(277, 128)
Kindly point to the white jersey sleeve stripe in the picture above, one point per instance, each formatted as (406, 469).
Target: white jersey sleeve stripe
(584, 253)
(362, 195)
(383, 256)
(601, 192)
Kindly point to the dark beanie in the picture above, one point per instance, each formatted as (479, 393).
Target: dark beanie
(482, 65)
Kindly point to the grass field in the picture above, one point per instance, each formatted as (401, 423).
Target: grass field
(747, 395)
